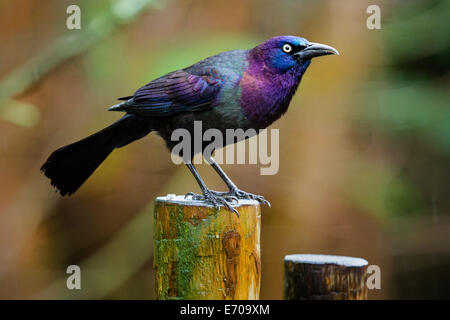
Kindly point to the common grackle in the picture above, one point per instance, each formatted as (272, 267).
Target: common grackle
(231, 90)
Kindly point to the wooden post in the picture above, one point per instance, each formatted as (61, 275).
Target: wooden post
(205, 253)
(324, 277)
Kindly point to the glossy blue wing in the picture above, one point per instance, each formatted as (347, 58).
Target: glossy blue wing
(176, 92)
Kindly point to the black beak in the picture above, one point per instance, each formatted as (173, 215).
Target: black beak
(316, 50)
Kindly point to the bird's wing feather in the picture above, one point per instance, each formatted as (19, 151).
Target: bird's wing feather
(175, 92)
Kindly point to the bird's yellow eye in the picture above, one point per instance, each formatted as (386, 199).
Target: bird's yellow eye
(287, 48)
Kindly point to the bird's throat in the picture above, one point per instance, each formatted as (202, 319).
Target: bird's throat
(264, 98)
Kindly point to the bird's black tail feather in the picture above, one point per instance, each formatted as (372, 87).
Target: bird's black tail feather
(70, 166)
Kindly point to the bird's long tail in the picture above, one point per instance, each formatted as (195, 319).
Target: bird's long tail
(70, 166)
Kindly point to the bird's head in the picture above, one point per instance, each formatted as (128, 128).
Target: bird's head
(283, 53)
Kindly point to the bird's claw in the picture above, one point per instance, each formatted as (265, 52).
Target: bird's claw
(239, 194)
(225, 198)
(194, 196)
(216, 198)
(231, 198)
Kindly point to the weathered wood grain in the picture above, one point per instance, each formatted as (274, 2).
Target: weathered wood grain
(324, 277)
(205, 253)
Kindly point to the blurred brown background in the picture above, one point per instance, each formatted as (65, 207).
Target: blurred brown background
(364, 147)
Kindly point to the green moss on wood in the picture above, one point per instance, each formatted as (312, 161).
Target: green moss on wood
(190, 258)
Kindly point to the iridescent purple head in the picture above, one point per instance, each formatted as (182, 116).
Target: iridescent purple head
(274, 71)
(284, 53)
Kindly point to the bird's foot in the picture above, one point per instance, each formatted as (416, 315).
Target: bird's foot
(239, 194)
(216, 198)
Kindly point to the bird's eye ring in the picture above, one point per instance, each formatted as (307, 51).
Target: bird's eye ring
(287, 48)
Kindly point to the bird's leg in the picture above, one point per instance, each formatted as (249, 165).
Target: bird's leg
(235, 192)
(210, 195)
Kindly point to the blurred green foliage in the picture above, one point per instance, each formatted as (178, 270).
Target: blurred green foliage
(20, 113)
(102, 17)
(407, 106)
(383, 191)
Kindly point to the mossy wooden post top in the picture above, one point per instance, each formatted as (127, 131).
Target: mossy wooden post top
(188, 201)
(203, 252)
(324, 277)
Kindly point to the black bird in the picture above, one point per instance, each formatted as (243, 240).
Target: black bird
(240, 89)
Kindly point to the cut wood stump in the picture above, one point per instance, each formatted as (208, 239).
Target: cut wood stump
(205, 253)
(324, 277)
